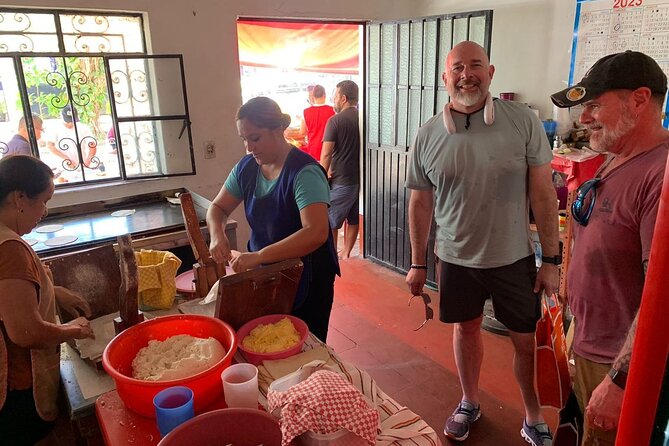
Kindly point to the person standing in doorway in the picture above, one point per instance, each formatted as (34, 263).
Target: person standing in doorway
(340, 158)
(314, 120)
(477, 167)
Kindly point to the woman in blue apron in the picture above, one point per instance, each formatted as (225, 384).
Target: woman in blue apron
(286, 198)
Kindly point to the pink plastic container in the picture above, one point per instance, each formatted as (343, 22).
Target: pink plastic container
(185, 284)
(138, 394)
(240, 427)
(256, 358)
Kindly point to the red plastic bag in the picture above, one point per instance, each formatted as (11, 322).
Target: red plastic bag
(551, 371)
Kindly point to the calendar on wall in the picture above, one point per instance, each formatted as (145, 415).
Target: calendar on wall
(604, 27)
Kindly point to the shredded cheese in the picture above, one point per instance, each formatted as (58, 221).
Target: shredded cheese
(270, 338)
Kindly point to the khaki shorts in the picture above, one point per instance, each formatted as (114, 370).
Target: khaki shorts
(589, 375)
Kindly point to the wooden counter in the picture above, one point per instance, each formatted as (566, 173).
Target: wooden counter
(155, 224)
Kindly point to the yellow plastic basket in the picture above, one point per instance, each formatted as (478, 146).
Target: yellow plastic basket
(157, 273)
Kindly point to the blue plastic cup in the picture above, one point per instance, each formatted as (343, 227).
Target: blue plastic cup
(174, 405)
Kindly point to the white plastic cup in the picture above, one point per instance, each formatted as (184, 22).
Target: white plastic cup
(240, 385)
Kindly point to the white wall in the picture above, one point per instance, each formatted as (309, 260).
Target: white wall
(530, 47)
(530, 44)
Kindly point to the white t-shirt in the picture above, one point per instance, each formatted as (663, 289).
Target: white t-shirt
(480, 176)
(65, 139)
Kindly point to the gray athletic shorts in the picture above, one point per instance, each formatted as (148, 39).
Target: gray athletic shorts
(344, 204)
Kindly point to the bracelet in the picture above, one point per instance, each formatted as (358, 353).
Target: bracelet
(418, 266)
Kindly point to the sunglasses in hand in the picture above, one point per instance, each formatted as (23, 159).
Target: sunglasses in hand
(429, 313)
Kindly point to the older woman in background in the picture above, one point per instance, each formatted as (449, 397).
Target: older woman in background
(29, 346)
(286, 197)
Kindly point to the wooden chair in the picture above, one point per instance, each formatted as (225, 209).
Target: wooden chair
(206, 271)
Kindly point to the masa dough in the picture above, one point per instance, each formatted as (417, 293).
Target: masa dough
(176, 357)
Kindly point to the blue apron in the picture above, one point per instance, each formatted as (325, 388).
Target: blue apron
(275, 216)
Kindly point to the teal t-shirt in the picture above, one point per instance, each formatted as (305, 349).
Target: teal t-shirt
(311, 186)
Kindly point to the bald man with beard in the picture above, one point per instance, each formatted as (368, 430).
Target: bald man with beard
(477, 167)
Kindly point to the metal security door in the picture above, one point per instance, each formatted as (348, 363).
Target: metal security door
(404, 89)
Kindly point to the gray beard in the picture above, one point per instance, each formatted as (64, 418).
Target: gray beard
(610, 138)
(468, 99)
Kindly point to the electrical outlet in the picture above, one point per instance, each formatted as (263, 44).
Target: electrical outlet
(209, 149)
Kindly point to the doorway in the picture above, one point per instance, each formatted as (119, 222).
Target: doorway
(281, 59)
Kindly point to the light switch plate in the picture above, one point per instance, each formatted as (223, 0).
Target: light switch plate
(209, 149)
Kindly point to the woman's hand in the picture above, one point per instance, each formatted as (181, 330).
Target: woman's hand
(219, 248)
(72, 302)
(85, 330)
(217, 218)
(244, 261)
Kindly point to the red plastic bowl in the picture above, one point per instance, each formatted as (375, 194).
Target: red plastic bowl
(138, 394)
(240, 427)
(256, 358)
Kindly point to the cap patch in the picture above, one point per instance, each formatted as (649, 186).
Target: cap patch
(575, 94)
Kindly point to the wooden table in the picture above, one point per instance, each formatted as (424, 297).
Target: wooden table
(121, 426)
(81, 410)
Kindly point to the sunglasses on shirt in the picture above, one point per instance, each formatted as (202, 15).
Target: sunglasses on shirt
(584, 203)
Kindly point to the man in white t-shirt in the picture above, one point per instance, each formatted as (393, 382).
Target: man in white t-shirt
(64, 141)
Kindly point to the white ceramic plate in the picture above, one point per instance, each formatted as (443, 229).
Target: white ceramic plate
(30, 241)
(60, 241)
(123, 213)
(49, 228)
(173, 200)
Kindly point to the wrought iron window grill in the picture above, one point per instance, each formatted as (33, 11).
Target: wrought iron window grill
(78, 90)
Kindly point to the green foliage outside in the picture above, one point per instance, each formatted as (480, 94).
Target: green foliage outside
(87, 83)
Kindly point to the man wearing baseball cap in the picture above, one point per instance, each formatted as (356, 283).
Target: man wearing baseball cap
(65, 142)
(622, 97)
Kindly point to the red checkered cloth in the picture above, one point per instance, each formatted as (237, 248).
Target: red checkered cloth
(324, 403)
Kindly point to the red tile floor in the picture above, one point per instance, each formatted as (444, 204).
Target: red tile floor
(372, 327)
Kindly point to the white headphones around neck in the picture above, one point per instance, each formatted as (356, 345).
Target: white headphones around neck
(488, 115)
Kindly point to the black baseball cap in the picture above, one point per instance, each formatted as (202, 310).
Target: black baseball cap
(69, 114)
(620, 71)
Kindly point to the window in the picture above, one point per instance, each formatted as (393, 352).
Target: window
(78, 90)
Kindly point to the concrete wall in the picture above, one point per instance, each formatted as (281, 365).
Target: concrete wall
(530, 44)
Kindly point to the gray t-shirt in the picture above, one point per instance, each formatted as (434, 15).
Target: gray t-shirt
(480, 178)
(343, 130)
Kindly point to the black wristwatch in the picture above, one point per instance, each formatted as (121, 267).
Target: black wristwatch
(555, 260)
(618, 377)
